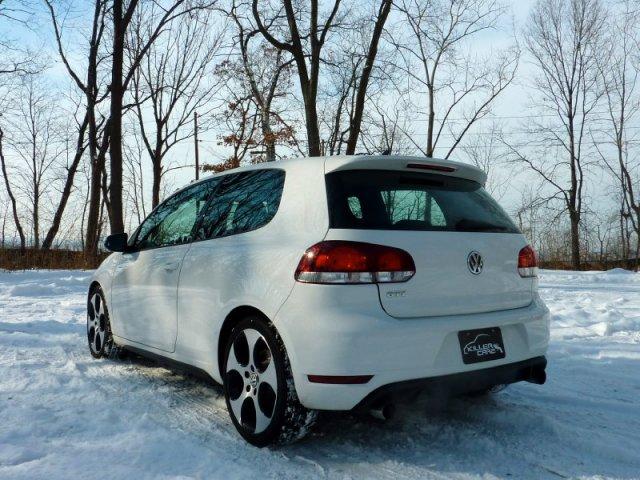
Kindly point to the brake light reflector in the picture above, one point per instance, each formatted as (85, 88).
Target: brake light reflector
(528, 262)
(340, 380)
(340, 261)
(431, 166)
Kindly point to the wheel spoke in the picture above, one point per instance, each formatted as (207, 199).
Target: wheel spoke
(96, 305)
(236, 405)
(234, 364)
(262, 421)
(98, 340)
(252, 338)
(91, 311)
(269, 376)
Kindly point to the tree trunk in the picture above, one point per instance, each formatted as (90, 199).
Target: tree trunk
(356, 122)
(157, 175)
(97, 167)
(36, 217)
(637, 260)
(12, 198)
(431, 123)
(267, 134)
(311, 121)
(115, 142)
(575, 240)
(91, 239)
(68, 185)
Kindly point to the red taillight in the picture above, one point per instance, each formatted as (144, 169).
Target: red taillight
(528, 262)
(337, 261)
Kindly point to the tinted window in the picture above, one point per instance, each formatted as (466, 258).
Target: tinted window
(244, 202)
(171, 223)
(392, 200)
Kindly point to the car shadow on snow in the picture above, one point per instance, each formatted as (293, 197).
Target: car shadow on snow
(511, 434)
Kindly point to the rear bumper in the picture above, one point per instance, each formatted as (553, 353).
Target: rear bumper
(532, 370)
(342, 331)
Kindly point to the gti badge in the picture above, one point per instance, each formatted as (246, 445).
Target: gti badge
(475, 263)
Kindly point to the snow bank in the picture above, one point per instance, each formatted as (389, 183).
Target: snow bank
(587, 304)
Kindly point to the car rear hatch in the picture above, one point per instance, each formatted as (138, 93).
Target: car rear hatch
(464, 246)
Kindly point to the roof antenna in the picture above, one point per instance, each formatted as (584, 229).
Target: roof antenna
(386, 151)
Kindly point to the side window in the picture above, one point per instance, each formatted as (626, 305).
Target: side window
(244, 202)
(172, 222)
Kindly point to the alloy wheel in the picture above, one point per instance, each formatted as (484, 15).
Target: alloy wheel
(252, 381)
(97, 324)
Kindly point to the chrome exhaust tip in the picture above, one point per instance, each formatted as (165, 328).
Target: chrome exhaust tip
(385, 412)
(537, 376)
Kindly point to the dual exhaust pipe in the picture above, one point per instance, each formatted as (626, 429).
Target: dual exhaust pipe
(383, 412)
(537, 375)
(534, 374)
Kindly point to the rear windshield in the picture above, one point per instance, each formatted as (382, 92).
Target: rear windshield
(393, 200)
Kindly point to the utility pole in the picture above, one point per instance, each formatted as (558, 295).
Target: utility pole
(195, 126)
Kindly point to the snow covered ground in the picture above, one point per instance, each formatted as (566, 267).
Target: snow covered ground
(65, 415)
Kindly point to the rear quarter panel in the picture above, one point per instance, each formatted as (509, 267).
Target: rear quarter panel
(251, 269)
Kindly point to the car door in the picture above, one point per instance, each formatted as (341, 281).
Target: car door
(145, 283)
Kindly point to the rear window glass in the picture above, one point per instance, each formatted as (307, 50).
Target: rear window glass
(393, 200)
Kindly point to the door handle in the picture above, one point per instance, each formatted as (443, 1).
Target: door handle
(170, 267)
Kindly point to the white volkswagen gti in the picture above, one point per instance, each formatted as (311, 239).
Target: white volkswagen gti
(337, 283)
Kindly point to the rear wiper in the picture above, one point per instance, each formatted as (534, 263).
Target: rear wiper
(477, 226)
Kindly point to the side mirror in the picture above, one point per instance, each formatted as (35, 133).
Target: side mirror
(116, 242)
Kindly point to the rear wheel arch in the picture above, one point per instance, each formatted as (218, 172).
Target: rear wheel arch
(232, 319)
(92, 288)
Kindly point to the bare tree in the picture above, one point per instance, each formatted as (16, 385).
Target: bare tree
(460, 87)
(356, 79)
(122, 15)
(257, 78)
(297, 29)
(303, 38)
(564, 38)
(174, 80)
(36, 141)
(620, 68)
(486, 151)
(69, 176)
(133, 154)
(88, 80)
(363, 76)
(241, 135)
(5, 214)
(11, 195)
(15, 59)
(386, 129)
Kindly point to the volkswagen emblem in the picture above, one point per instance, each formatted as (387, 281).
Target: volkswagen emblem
(475, 263)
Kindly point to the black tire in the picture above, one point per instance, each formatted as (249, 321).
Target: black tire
(287, 419)
(99, 334)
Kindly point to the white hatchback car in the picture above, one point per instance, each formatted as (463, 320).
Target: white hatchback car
(333, 283)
